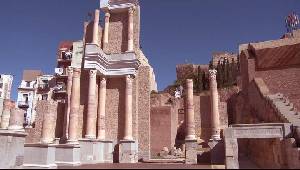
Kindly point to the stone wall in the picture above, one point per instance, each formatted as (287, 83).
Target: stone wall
(162, 128)
(144, 91)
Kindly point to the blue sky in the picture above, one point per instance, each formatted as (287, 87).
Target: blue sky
(172, 31)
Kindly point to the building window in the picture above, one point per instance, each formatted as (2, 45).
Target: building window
(27, 84)
(25, 97)
(44, 96)
(1, 85)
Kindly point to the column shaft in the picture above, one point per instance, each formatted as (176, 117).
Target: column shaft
(214, 96)
(5, 114)
(74, 111)
(68, 103)
(106, 30)
(92, 110)
(96, 27)
(130, 29)
(101, 110)
(190, 119)
(128, 109)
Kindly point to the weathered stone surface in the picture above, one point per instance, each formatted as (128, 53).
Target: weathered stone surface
(39, 155)
(128, 152)
(67, 155)
(191, 151)
(12, 149)
(16, 119)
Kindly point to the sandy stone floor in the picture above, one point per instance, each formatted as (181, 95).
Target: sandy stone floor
(144, 166)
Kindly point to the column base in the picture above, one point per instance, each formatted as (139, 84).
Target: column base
(216, 137)
(67, 155)
(191, 151)
(128, 151)
(72, 142)
(39, 155)
(217, 151)
(92, 137)
(16, 128)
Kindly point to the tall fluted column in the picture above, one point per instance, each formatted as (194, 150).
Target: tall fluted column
(130, 29)
(190, 119)
(106, 30)
(128, 109)
(214, 97)
(101, 110)
(5, 114)
(75, 103)
(68, 103)
(96, 27)
(92, 110)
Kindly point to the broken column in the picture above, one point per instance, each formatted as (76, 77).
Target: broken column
(106, 30)
(68, 103)
(190, 138)
(5, 114)
(130, 29)
(48, 128)
(96, 27)
(16, 119)
(75, 103)
(128, 146)
(101, 110)
(214, 97)
(92, 110)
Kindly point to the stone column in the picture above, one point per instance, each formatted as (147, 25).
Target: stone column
(130, 29)
(190, 119)
(106, 30)
(101, 110)
(5, 114)
(214, 97)
(128, 109)
(48, 127)
(16, 119)
(68, 103)
(74, 110)
(96, 27)
(92, 110)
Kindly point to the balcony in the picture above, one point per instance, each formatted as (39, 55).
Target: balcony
(23, 104)
(59, 89)
(110, 65)
(43, 87)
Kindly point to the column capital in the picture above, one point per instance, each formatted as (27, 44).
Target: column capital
(76, 72)
(93, 73)
(103, 80)
(131, 10)
(70, 70)
(107, 14)
(213, 74)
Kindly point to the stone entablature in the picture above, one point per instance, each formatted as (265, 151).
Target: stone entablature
(110, 65)
(117, 4)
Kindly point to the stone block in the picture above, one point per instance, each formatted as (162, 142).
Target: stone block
(11, 149)
(128, 151)
(108, 149)
(67, 155)
(95, 151)
(39, 155)
(191, 151)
